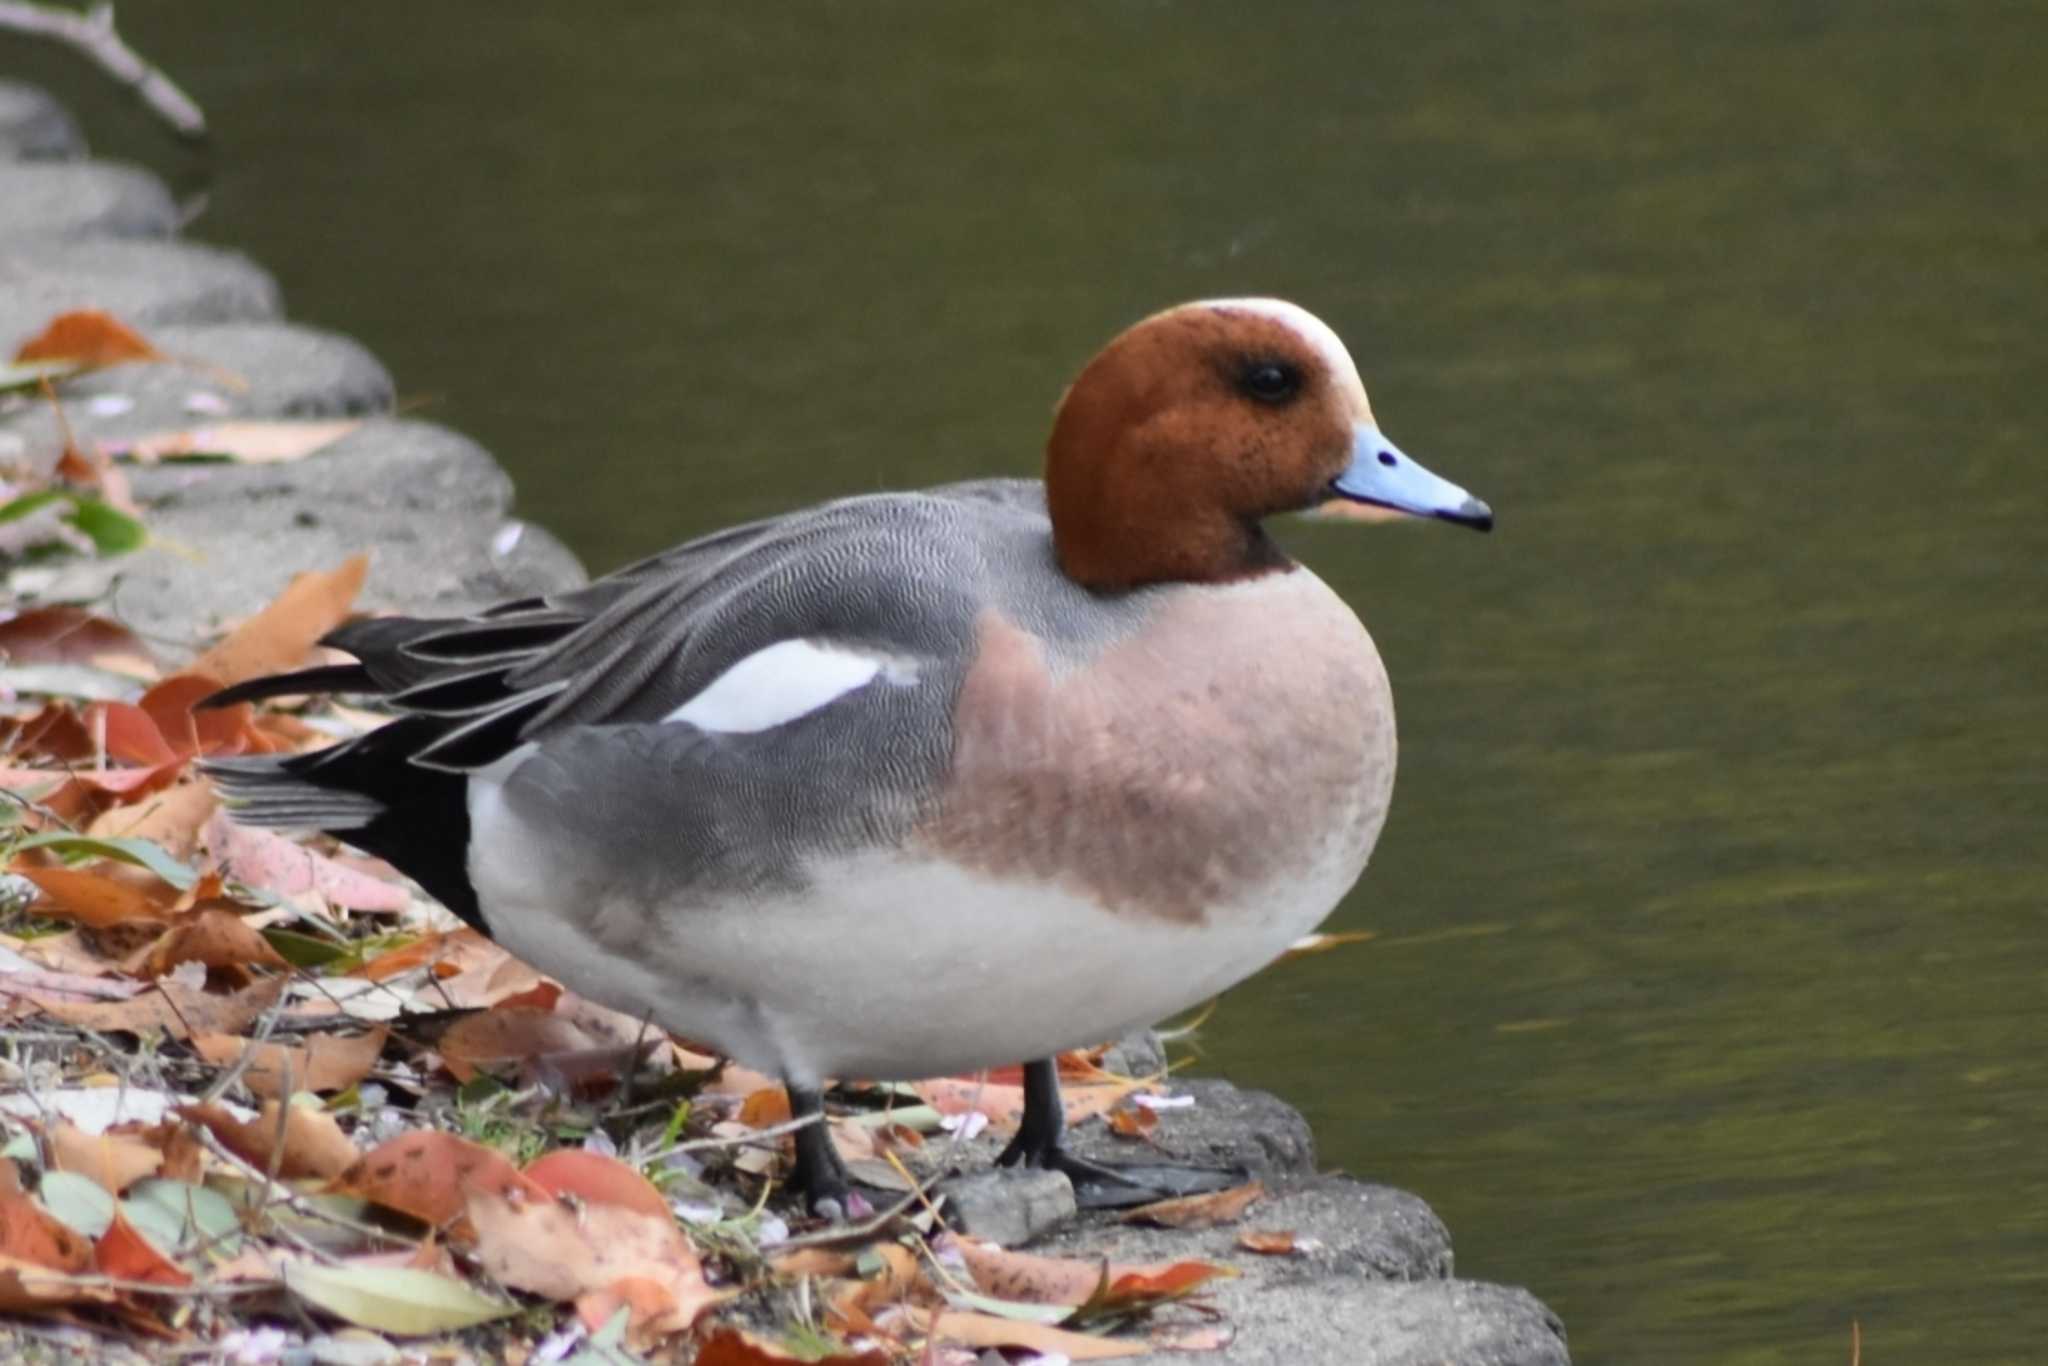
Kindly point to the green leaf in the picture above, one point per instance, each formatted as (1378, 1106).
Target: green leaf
(393, 1299)
(178, 1216)
(29, 374)
(78, 1202)
(112, 532)
(141, 853)
(16, 509)
(305, 950)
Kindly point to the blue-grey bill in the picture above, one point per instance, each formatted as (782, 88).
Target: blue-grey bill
(1381, 473)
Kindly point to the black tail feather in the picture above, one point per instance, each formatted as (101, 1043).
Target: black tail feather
(327, 678)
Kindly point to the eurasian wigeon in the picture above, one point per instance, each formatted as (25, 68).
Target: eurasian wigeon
(917, 783)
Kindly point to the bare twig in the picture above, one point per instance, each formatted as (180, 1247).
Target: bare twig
(92, 34)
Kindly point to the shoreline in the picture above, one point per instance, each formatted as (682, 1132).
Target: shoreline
(433, 508)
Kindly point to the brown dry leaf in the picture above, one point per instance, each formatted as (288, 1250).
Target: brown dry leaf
(27, 1288)
(187, 728)
(212, 937)
(103, 895)
(509, 1034)
(986, 1330)
(177, 1010)
(31, 1234)
(459, 950)
(89, 337)
(424, 1174)
(314, 1145)
(1132, 1121)
(1032, 1279)
(171, 818)
(1274, 1243)
(281, 635)
(765, 1108)
(900, 1279)
(733, 1347)
(70, 635)
(325, 1062)
(1198, 1211)
(551, 1248)
(1004, 1105)
(116, 1161)
(253, 440)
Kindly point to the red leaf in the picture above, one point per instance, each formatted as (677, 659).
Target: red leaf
(89, 337)
(596, 1179)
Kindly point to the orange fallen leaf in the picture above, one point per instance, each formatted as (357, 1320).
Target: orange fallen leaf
(280, 636)
(764, 1108)
(1132, 1121)
(32, 1235)
(596, 1179)
(173, 706)
(1198, 1211)
(1031, 1278)
(536, 1243)
(325, 1062)
(102, 896)
(116, 1161)
(986, 1330)
(313, 1144)
(424, 1174)
(124, 1252)
(90, 338)
(1275, 1243)
(213, 938)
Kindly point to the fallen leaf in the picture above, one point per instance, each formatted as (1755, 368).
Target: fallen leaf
(88, 338)
(124, 1252)
(313, 1143)
(100, 898)
(765, 1108)
(174, 1009)
(27, 1288)
(596, 1179)
(1278, 1243)
(171, 818)
(71, 635)
(988, 1330)
(1198, 1211)
(213, 938)
(173, 707)
(732, 1347)
(325, 1062)
(424, 1174)
(115, 1161)
(280, 636)
(547, 1247)
(253, 441)
(397, 1300)
(31, 1234)
(269, 862)
(1132, 1121)
(508, 1034)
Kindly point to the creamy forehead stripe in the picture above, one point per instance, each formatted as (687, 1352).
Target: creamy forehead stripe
(1311, 329)
(780, 682)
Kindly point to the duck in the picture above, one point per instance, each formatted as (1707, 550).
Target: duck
(911, 784)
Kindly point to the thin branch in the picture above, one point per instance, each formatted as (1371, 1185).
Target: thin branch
(92, 34)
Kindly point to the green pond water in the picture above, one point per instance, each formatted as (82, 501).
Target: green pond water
(1711, 976)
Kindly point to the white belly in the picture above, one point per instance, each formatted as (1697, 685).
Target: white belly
(888, 968)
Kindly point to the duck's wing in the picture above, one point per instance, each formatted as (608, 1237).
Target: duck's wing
(882, 588)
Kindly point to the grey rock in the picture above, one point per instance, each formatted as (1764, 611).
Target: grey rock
(1009, 1206)
(145, 284)
(1369, 1286)
(1227, 1126)
(63, 199)
(218, 372)
(428, 504)
(35, 127)
(1138, 1054)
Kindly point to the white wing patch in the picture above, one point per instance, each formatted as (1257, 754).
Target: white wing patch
(791, 678)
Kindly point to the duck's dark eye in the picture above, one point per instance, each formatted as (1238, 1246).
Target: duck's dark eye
(1270, 381)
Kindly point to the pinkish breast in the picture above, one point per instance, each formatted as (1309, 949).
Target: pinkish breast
(1242, 739)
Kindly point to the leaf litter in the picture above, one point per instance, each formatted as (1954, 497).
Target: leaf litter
(325, 1094)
